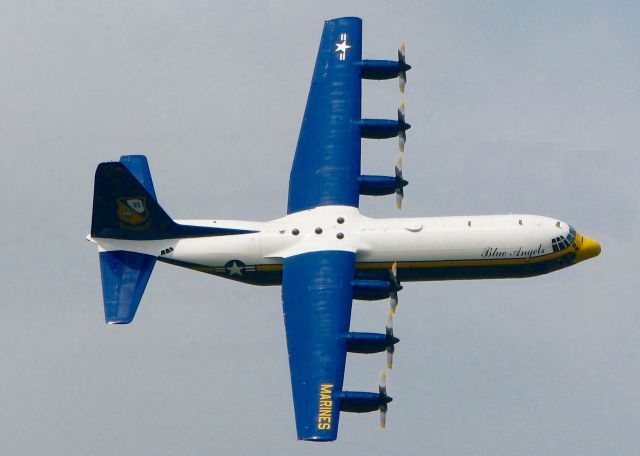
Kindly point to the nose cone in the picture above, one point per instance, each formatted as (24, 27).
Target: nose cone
(590, 248)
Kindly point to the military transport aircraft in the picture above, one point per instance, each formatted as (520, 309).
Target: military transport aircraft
(324, 252)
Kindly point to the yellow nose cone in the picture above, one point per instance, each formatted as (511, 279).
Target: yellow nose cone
(589, 248)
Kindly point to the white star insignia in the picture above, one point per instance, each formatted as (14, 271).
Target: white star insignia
(342, 46)
(234, 269)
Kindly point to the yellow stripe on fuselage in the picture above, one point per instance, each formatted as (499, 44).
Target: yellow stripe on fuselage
(448, 263)
(454, 263)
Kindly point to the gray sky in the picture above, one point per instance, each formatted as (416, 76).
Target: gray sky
(529, 107)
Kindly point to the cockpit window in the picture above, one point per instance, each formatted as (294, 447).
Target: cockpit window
(560, 242)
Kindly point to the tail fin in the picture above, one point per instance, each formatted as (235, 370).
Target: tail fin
(125, 207)
(124, 274)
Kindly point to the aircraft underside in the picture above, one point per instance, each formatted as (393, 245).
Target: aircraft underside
(324, 253)
(269, 274)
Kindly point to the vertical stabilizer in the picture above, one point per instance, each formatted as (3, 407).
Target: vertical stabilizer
(125, 274)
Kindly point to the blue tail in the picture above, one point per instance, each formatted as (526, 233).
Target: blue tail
(124, 278)
(125, 207)
(124, 274)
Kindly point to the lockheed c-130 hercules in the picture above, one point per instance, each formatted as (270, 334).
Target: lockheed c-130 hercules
(324, 252)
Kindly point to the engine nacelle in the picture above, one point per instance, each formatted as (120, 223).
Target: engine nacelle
(381, 128)
(380, 185)
(382, 69)
(371, 290)
(362, 402)
(363, 342)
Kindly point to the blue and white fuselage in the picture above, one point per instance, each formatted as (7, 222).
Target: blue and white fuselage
(424, 248)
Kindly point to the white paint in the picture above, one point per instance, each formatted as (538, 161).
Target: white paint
(373, 240)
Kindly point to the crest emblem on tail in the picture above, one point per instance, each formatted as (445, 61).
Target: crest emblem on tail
(132, 210)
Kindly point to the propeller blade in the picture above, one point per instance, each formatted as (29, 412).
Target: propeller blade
(400, 184)
(393, 296)
(389, 358)
(402, 76)
(399, 197)
(391, 348)
(402, 134)
(394, 301)
(383, 393)
(399, 168)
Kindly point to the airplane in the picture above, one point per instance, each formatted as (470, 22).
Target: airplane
(323, 252)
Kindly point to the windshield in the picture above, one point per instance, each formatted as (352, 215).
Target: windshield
(561, 242)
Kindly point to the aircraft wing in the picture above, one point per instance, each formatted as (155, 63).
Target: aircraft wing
(318, 284)
(316, 297)
(326, 166)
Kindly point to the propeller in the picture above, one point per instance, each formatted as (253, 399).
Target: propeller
(402, 134)
(393, 277)
(402, 75)
(391, 347)
(400, 184)
(384, 399)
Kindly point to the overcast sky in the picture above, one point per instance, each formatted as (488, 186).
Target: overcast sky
(530, 107)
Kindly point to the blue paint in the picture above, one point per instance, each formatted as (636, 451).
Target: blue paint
(124, 278)
(365, 342)
(381, 69)
(380, 185)
(326, 165)
(317, 296)
(381, 128)
(139, 167)
(114, 185)
(362, 402)
(371, 290)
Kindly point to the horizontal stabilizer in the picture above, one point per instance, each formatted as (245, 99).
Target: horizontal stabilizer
(124, 278)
